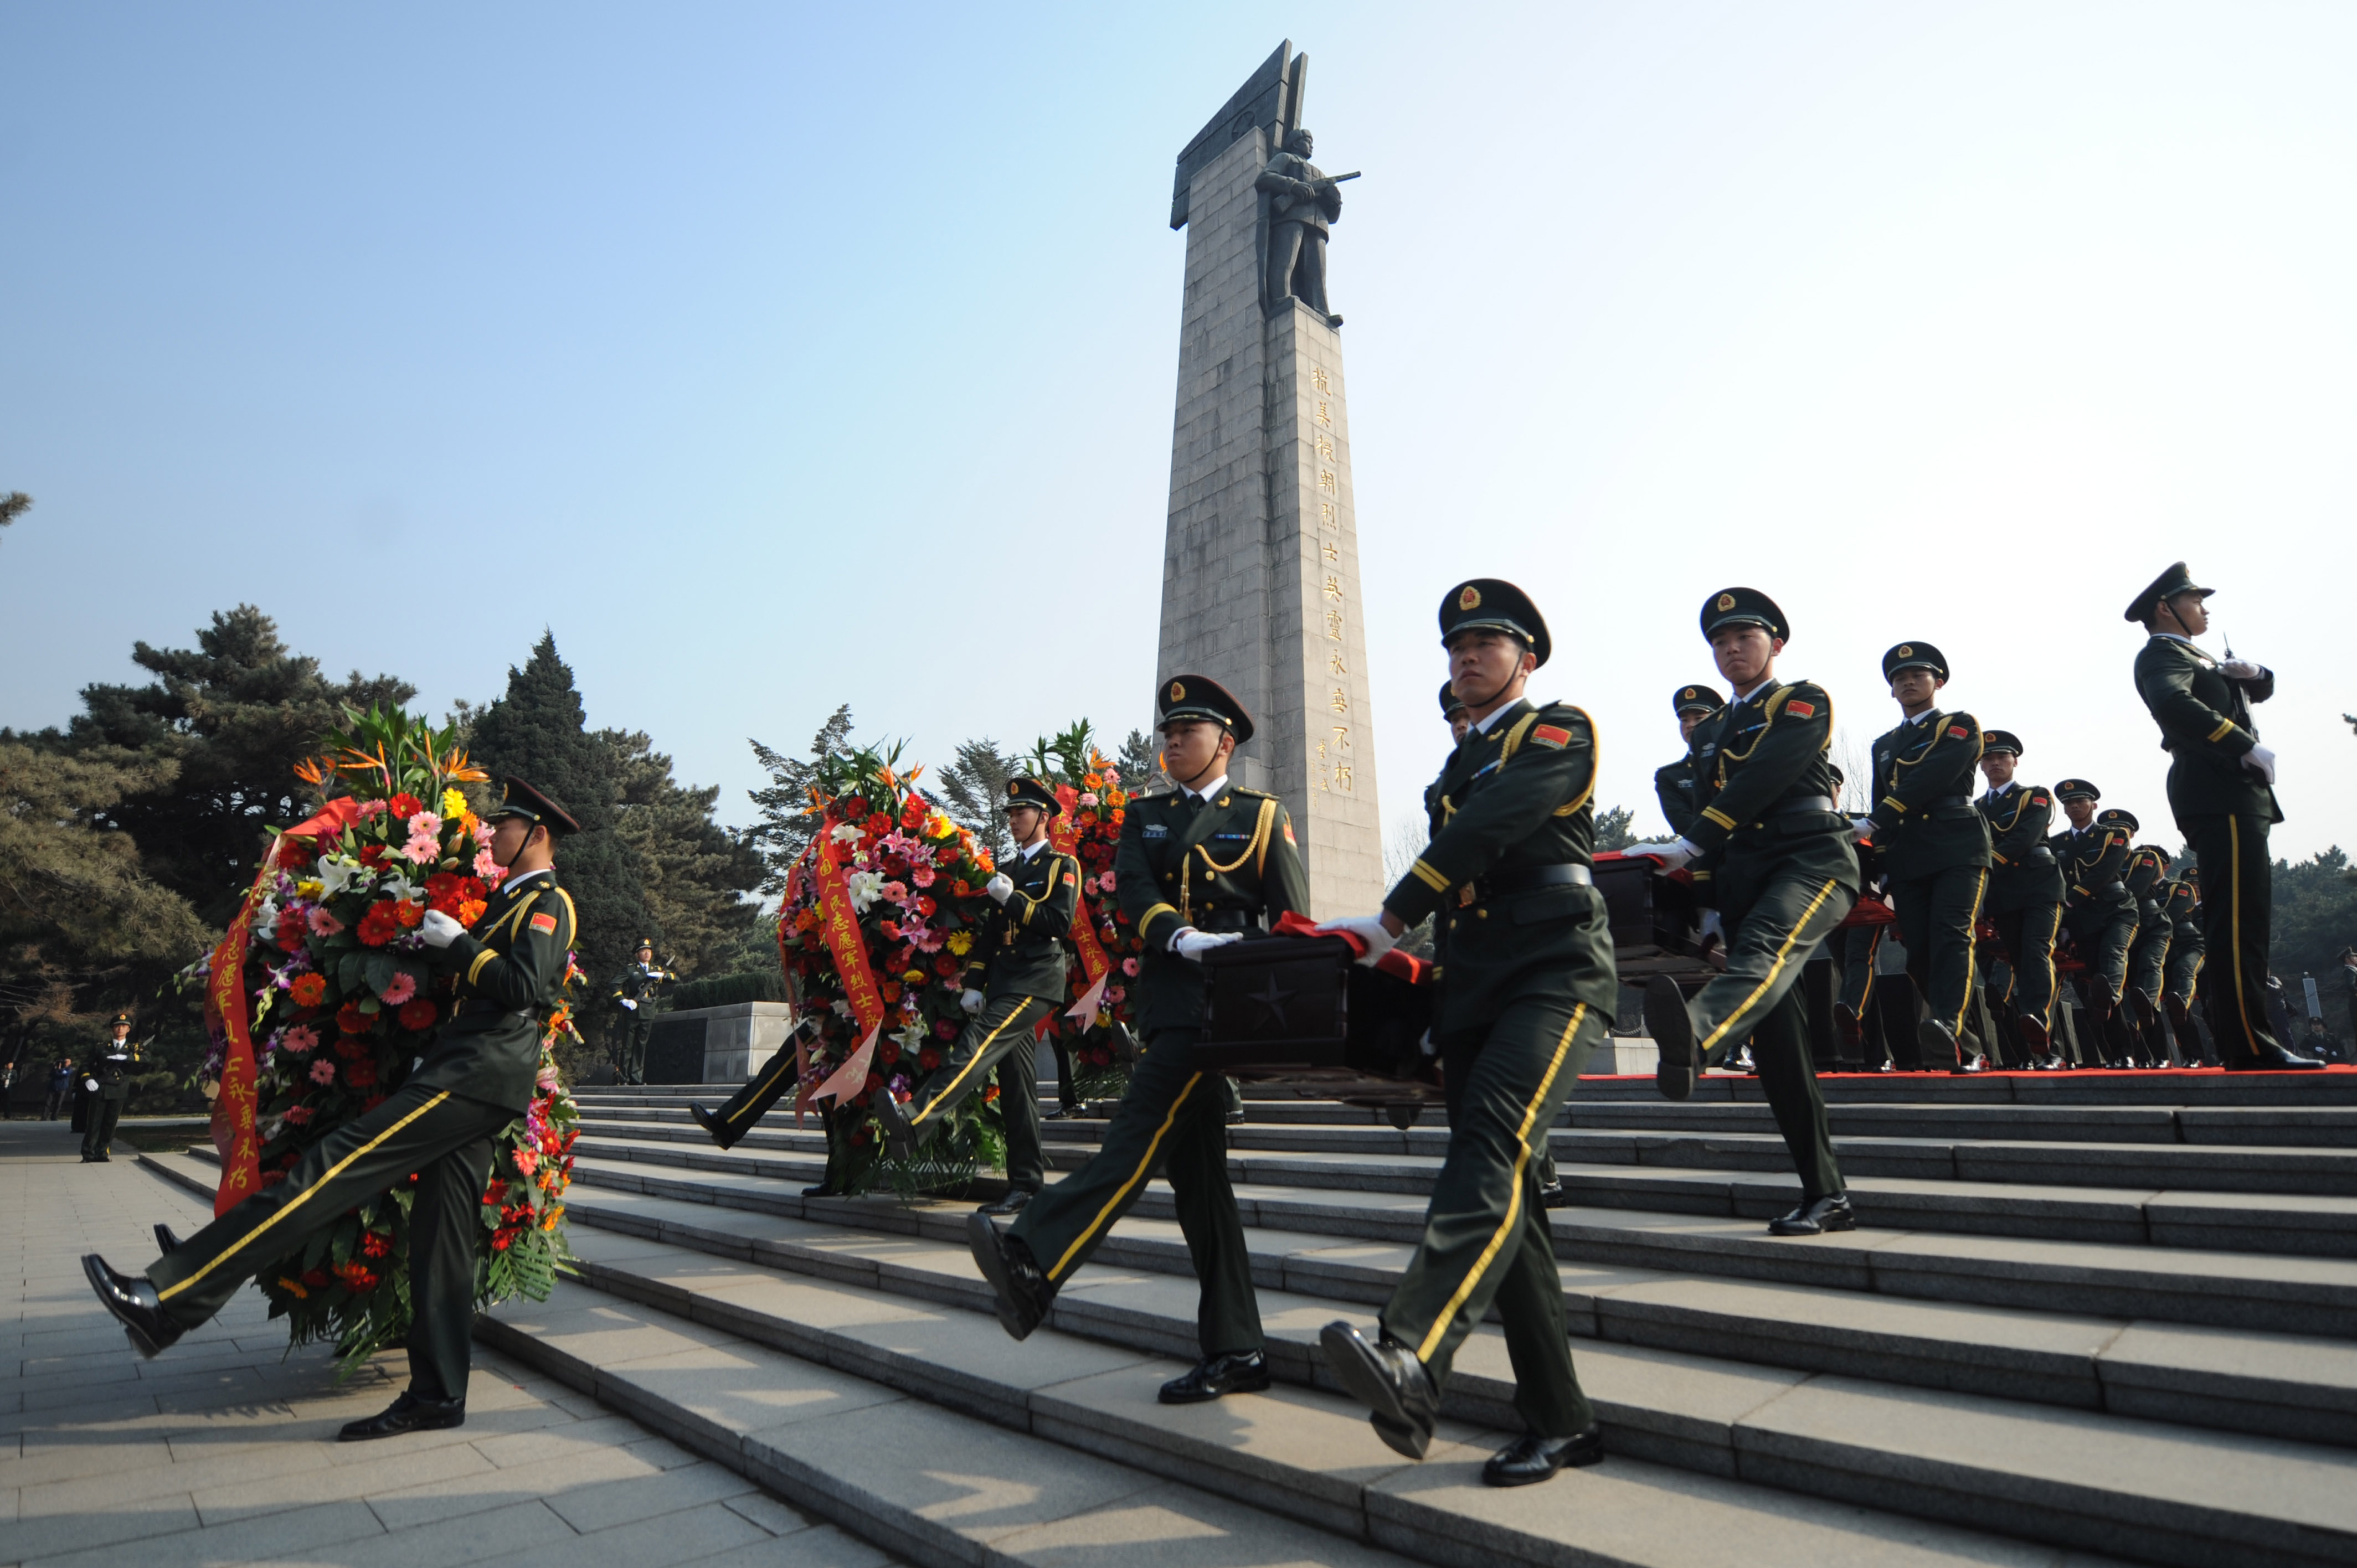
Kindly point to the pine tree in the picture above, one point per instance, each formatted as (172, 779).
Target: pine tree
(786, 823)
(691, 869)
(973, 791)
(538, 732)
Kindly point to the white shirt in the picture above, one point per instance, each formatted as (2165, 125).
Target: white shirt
(1204, 795)
(1482, 726)
(1747, 696)
(1031, 851)
(520, 881)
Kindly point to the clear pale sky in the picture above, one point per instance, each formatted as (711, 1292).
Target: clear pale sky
(776, 358)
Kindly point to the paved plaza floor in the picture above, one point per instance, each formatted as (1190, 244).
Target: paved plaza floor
(223, 1450)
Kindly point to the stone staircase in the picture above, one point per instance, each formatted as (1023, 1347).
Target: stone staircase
(2097, 1312)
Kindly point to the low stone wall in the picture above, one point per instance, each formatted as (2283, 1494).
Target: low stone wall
(717, 1044)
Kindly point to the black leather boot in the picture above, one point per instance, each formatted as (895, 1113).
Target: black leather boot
(1016, 1278)
(1385, 1375)
(1531, 1458)
(711, 1122)
(407, 1414)
(135, 1305)
(1815, 1216)
(1672, 1027)
(1244, 1374)
(165, 1240)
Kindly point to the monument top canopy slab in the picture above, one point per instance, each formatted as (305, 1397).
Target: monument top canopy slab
(1270, 99)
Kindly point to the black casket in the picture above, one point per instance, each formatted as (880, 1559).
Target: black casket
(1656, 921)
(1301, 1012)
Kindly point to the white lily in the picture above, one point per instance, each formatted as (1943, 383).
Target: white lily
(865, 887)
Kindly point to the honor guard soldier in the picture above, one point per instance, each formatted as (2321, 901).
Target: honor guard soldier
(2025, 889)
(1782, 871)
(1459, 717)
(441, 1124)
(107, 1082)
(1198, 868)
(1674, 782)
(2149, 952)
(1528, 991)
(2222, 792)
(633, 996)
(2098, 913)
(1854, 947)
(1935, 846)
(1014, 981)
(2181, 905)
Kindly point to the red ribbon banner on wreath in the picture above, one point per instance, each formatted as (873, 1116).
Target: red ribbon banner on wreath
(1062, 837)
(839, 924)
(235, 1138)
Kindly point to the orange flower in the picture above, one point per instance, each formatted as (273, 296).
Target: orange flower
(309, 990)
(410, 913)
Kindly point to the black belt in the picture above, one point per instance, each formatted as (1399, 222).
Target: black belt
(1524, 879)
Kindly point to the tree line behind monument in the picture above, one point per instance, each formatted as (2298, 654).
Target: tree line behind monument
(129, 833)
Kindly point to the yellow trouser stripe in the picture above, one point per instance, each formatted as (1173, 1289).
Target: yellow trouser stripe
(1972, 951)
(979, 1052)
(1515, 1204)
(2234, 908)
(779, 1062)
(1784, 956)
(168, 1292)
(1145, 1164)
(2053, 985)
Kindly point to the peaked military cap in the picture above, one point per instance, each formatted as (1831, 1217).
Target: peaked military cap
(1032, 792)
(1840, 778)
(2003, 740)
(2077, 789)
(518, 798)
(1492, 604)
(1200, 697)
(1450, 702)
(1914, 656)
(2167, 586)
(122, 1018)
(1743, 607)
(1695, 699)
(2118, 817)
(645, 944)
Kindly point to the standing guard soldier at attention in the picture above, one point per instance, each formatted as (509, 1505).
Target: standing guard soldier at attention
(1014, 981)
(1197, 868)
(1935, 846)
(476, 1077)
(1674, 782)
(633, 995)
(2025, 890)
(2098, 913)
(1783, 875)
(1528, 992)
(108, 1080)
(2222, 792)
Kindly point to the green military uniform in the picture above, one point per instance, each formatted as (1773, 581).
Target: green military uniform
(2148, 953)
(1219, 862)
(632, 996)
(109, 1072)
(1777, 860)
(1016, 967)
(1674, 782)
(1855, 949)
(2182, 905)
(2224, 807)
(2025, 896)
(1527, 990)
(440, 1123)
(1935, 852)
(2101, 916)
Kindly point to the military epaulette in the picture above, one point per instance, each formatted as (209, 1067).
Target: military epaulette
(1248, 794)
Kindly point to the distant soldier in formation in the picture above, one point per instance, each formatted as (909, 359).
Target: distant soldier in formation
(2222, 792)
(634, 997)
(1935, 846)
(1855, 947)
(2183, 908)
(1528, 992)
(1777, 860)
(1014, 983)
(107, 1082)
(2025, 893)
(1197, 868)
(2146, 879)
(2098, 913)
(1674, 782)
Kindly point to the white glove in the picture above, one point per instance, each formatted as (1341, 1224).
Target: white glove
(1368, 929)
(2261, 761)
(91, 1084)
(1860, 829)
(971, 1001)
(1672, 855)
(1001, 887)
(439, 929)
(2241, 669)
(1188, 942)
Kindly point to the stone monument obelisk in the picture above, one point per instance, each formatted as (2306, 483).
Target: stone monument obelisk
(1260, 569)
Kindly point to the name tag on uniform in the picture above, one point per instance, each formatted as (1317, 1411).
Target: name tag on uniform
(544, 923)
(1156, 831)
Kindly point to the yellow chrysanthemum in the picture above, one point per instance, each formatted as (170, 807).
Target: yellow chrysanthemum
(961, 943)
(307, 888)
(453, 803)
(914, 976)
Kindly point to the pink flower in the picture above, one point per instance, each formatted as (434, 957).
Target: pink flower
(300, 1039)
(324, 924)
(545, 1082)
(323, 1071)
(482, 835)
(423, 851)
(300, 1114)
(424, 825)
(526, 1160)
(399, 989)
(487, 868)
(1089, 798)
(922, 876)
(1105, 882)
(896, 891)
(370, 809)
(1129, 967)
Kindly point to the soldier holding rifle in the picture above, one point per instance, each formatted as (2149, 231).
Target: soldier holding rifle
(634, 993)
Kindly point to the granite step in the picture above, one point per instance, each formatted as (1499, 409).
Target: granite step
(2294, 1224)
(2203, 1167)
(2177, 1086)
(1052, 1452)
(2067, 1479)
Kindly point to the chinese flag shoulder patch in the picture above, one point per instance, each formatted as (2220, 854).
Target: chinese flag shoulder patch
(1548, 734)
(1958, 732)
(1800, 710)
(1289, 834)
(544, 923)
